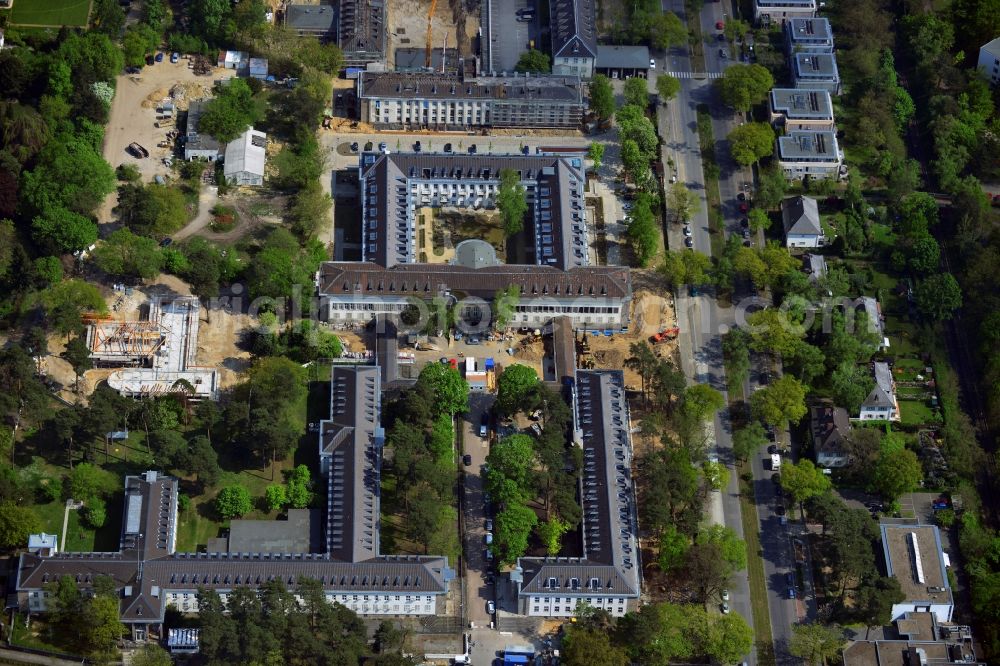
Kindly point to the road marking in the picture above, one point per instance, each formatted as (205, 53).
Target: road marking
(696, 75)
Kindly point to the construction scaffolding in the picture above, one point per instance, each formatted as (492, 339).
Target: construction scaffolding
(157, 355)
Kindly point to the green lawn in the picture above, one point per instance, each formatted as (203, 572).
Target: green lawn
(50, 12)
(915, 412)
(79, 537)
(31, 636)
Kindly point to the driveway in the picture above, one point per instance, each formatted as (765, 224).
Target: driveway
(207, 198)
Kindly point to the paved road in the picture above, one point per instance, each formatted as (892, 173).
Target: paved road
(477, 590)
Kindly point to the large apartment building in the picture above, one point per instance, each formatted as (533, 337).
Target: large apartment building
(607, 575)
(779, 11)
(814, 154)
(816, 71)
(808, 35)
(574, 37)
(395, 275)
(150, 575)
(357, 26)
(391, 100)
(793, 109)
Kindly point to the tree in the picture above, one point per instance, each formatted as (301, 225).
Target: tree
(101, 627)
(742, 86)
(602, 97)
(666, 30)
(203, 461)
(728, 639)
(895, 473)
(643, 360)
(732, 549)
(16, 523)
(673, 547)
(550, 533)
(511, 462)
(124, 254)
(595, 153)
(151, 654)
(65, 302)
(667, 87)
(635, 162)
(533, 60)
(451, 391)
(736, 30)
(515, 387)
(771, 188)
(708, 570)
(643, 233)
(748, 441)
(233, 502)
(513, 527)
(87, 481)
(228, 114)
(874, 599)
(758, 219)
(60, 230)
(107, 17)
(590, 647)
(816, 643)
(850, 384)
(701, 401)
(636, 92)
(682, 201)
(803, 480)
(78, 354)
(938, 296)
(511, 201)
(781, 401)
(95, 512)
(326, 57)
(661, 633)
(275, 497)
(750, 142)
(298, 488)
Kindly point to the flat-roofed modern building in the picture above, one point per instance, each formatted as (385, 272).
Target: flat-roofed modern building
(795, 109)
(817, 71)
(574, 37)
(608, 573)
(815, 154)
(392, 100)
(916, 639)
(150, 575)
(779, 11)
(808, 35)
(914, 557)
(393, 275)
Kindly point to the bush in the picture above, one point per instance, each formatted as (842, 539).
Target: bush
(233, 502)
(95, 513)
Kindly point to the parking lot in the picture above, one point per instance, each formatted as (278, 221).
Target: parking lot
(509, 37)
(133, 114)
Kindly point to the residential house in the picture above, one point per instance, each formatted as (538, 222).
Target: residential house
(245, 157)
(989, 61)
(803, 153)
(914, 557)
(816, 71)
(766, 12)
(881, 404)
(622, 62)
(258, 68)
(198, 146)
(794, 109)
(830, 424)
(800, 216)
(572, 24)
(815, 266)
(808, 35)
(915, 639)
(876, 322)
(428, 100)
(607, 575)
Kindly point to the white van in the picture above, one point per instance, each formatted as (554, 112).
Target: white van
(775, 461)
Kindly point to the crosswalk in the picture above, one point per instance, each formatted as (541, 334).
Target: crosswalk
(696, 75)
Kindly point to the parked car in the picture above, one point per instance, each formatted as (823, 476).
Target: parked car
(489, 558)
(447, 147)
(489, 524)
(773, 448)
(741, 196)
(354, 147)
(381, 147)
(472, 149)
(941, 503)
(484, 425)
(723, 53)
(137, 151)
(745, 223)
(790, 579)
(133, 70)
(746, 233)
(491, 608)
(652, 64)
(744, 207)
(725, 595)
(776, 479)
(159, 57)
(416, 146)
(166, 242)
(472, 341)
(791, 593)
(489, 538)
(466, 460)
(174, 57)
(687, 230)
(689, 243)
(719, 25)
(780, 509)
(724, 608)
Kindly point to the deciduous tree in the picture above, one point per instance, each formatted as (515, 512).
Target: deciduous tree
(751, 142)
(667, 87)
(602, 97)
(780, 402)
(533, 60)
(511, 201)
(636, 92)
(515, 386)
(742, 86)
(816, 643)
(233, 502)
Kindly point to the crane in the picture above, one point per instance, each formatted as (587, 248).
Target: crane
(430, 34)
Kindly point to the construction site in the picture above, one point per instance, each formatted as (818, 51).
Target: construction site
(155, 354)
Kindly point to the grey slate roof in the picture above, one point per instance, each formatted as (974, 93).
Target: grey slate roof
(434, 85)
(622, 57)
(829, 425)
(321, 18)
(427, 280)
(815, 266)
(610, 544)
(874, 313)
(559, 180)
(800, 216)
(882, 394)
(573, 30)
